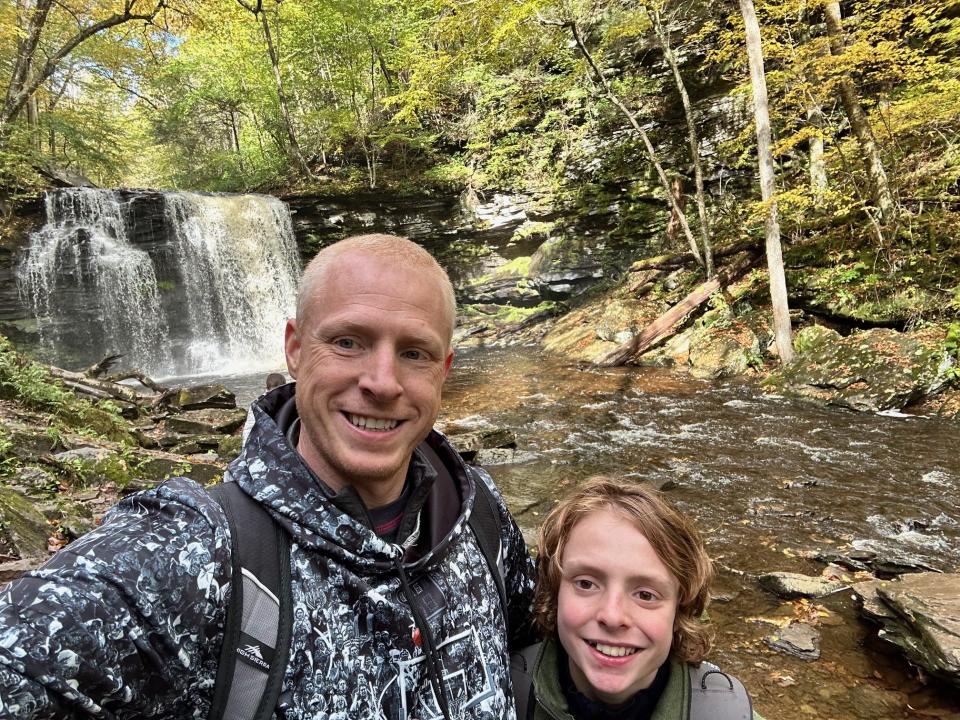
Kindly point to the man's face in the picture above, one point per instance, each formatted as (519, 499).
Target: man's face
(370, 359)
(615, 608)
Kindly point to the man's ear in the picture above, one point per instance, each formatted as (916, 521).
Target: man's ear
(291, 345)
(447, 363)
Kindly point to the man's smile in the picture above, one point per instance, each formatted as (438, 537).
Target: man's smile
(370, 423)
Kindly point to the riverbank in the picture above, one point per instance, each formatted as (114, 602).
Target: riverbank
(879, 356)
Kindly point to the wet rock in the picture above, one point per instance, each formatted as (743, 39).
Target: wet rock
(468, 443)
(722, 349)
(23, 529)
(204, 396)
(920, 614)
(503, 456)
(872, 371)
(794, 585)
(871, 605)
(890, 564)
(797, 639)
(206, 422)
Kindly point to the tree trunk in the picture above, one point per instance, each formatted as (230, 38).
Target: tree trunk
(26, 77)
(818, 167)
(778, 283)
(693, 138)
(876, 175)
(651, 152)
(295, 151)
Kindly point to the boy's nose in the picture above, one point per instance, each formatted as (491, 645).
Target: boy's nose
(611, 611)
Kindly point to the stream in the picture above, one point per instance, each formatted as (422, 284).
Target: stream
(771, 481)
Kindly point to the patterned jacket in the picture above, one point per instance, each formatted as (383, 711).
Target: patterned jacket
(127, 622)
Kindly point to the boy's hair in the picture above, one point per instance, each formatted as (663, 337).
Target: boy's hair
(672, 535)
(275, 380)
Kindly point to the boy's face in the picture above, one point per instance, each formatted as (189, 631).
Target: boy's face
(615, 608)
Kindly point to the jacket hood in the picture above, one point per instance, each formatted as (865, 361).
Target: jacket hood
(271, 471)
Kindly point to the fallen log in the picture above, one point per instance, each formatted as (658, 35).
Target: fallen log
(94, 386)
(671, 262)
(139, 377)
(667, 324)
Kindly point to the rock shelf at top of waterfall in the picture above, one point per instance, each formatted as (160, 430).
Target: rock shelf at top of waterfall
(179, 283)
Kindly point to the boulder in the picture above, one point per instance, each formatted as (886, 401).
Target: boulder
(812, 337)
(920, 614)
(503, 456)
(207, 421)
(508, 284)
(875, 370)
(794, 585)
(23, 529)
(563, 267)
(198, 397)
(722, 349)
(797, 639)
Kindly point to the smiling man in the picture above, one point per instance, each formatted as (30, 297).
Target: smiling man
(396, 609)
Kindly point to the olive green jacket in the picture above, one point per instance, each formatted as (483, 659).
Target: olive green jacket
(552, 705)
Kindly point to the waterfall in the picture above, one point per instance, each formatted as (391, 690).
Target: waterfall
(179, 283)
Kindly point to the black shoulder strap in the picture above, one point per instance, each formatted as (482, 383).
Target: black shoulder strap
(256, 642)
(522, 664)
(714, 695)
(485, 523)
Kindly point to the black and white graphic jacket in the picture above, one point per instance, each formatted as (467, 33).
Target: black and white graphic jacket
(127, 621)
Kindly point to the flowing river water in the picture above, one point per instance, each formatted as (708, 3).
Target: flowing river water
(770, 481)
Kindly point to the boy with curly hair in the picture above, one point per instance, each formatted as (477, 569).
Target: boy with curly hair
(623, 581)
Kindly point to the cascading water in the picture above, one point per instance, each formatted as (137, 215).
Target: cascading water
(179, 283)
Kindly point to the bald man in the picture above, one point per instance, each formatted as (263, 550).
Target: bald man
(395, 609)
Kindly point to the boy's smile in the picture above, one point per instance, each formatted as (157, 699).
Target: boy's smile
(615, 608)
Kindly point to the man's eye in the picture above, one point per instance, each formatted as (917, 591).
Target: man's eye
(414, 355)
(345, 343)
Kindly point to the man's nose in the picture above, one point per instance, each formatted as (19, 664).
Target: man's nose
(379, 374)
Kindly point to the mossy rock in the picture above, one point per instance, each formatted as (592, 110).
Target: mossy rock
(875, 370)
(229, 447)
(207, 421)
(23, 529)
(722, 350)
(812, 337)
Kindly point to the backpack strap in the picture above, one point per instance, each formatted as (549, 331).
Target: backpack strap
(256, 640)
(522, 664)
(485, 523)
(714, 695)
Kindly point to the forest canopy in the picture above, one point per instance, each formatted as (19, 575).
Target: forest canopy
(303, 94)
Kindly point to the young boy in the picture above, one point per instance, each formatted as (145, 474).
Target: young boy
(623, 581)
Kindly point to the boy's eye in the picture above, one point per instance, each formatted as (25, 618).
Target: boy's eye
(582, 584)
(645, 595)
